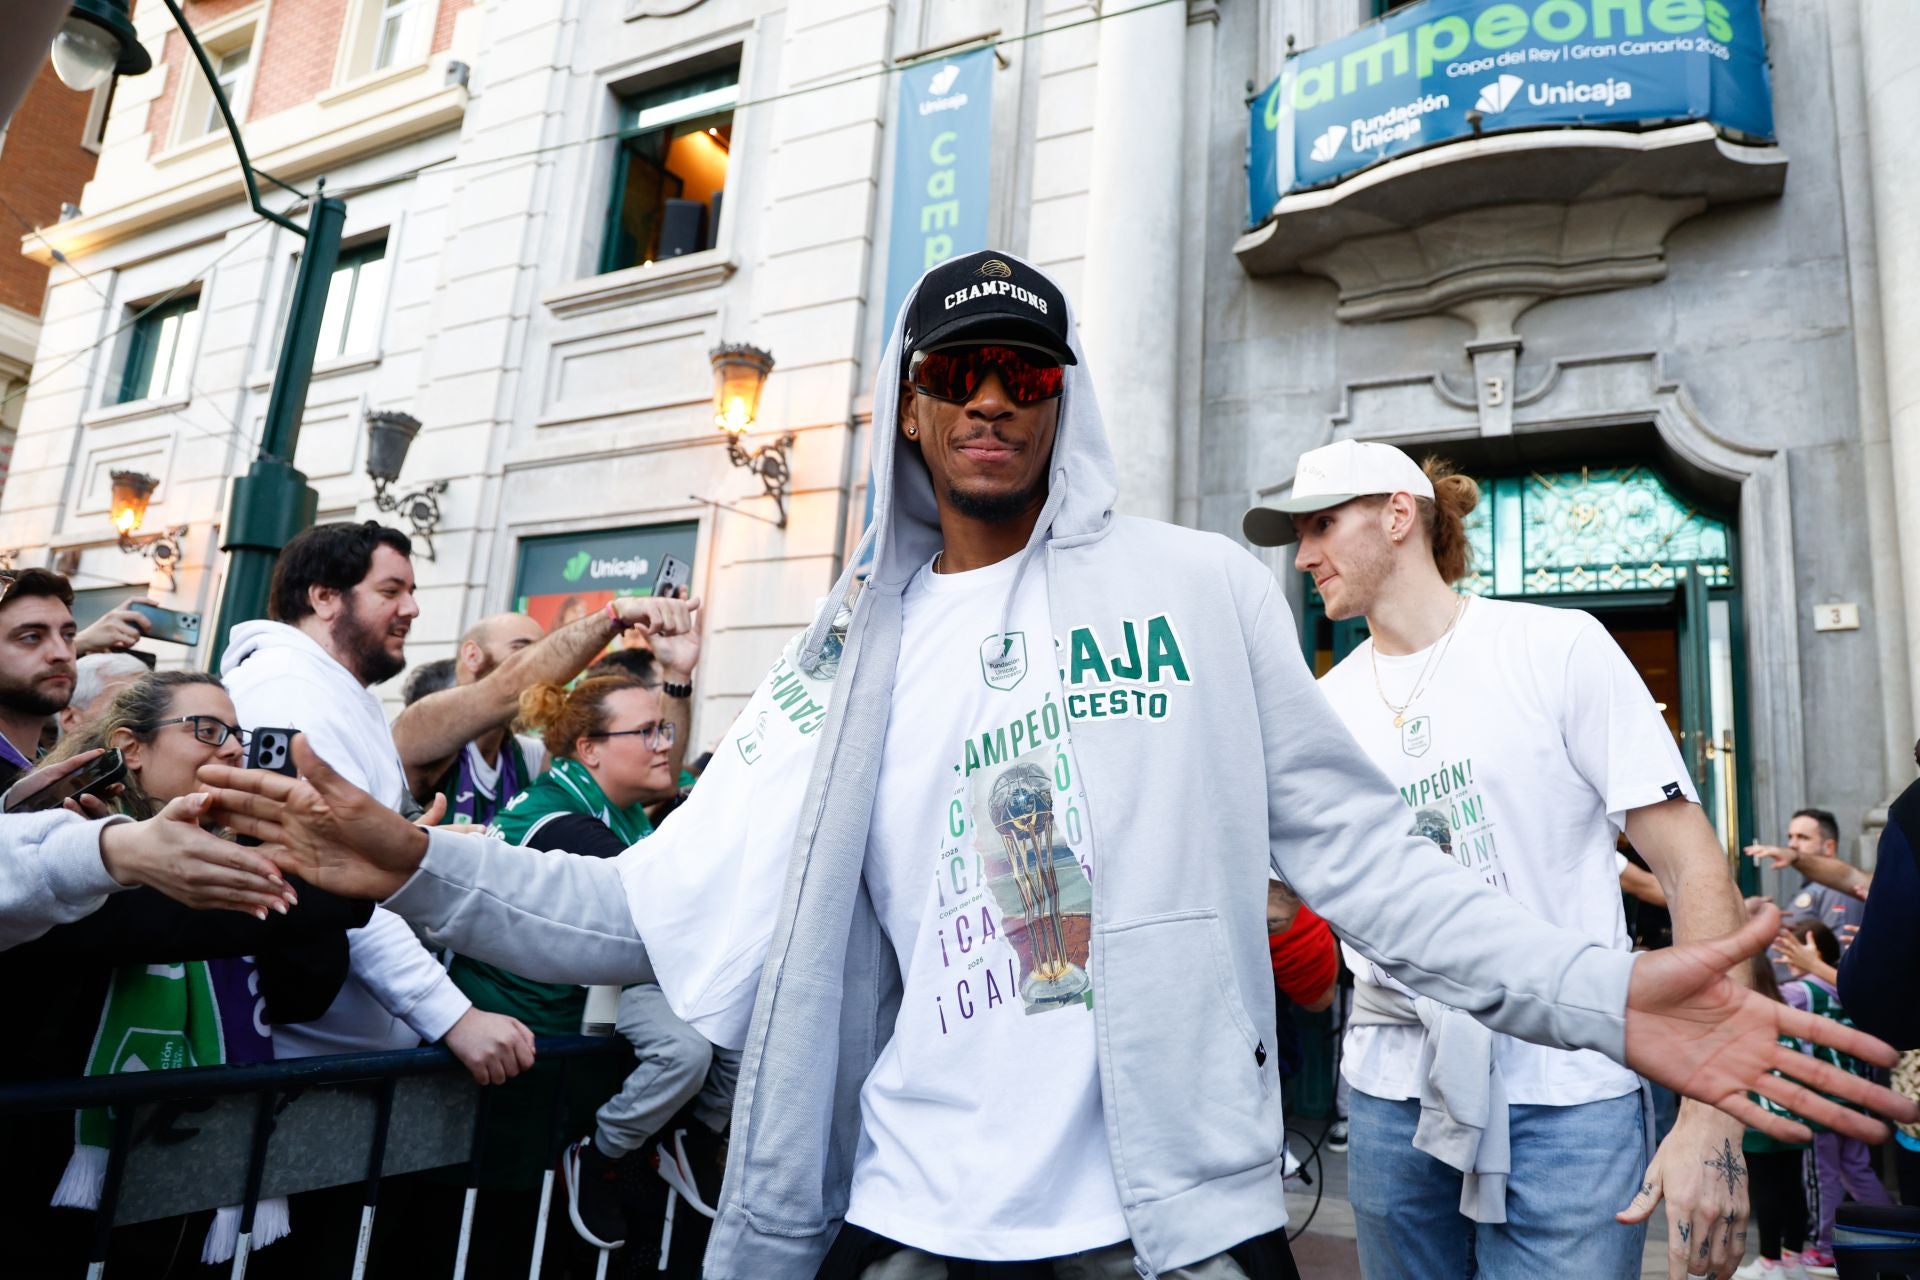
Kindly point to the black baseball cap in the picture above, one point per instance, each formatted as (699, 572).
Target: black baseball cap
(986, 296)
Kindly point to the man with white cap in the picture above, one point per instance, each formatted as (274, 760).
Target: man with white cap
(1523, 741)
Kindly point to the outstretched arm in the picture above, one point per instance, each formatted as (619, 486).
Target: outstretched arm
(431, 732)
(1817, 867)
(547, 916)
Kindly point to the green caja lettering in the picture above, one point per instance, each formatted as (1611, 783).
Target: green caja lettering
(1085, 657)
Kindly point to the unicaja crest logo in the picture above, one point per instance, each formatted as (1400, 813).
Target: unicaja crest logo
(994, 269)
(943, 80)
(1327, 145)
(576, 565)
(1495, 96)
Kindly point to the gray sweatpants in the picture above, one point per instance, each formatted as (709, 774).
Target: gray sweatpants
(676, 1065)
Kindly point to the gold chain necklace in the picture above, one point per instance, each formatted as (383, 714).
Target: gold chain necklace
(1420, 682)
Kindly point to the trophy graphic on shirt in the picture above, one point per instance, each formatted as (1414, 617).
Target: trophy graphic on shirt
(1021, 806)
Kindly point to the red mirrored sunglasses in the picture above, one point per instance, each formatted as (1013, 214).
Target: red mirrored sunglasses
(955, 373)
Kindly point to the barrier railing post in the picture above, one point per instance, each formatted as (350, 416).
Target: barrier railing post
(256, 1171)
(110, 1191)
(376, 1158)
(473, 1185)
(556, 1143)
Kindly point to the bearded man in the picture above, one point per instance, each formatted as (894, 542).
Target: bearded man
(37, 670)
(342, 604)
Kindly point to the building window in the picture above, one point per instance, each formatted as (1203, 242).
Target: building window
(231, 54)
(670, 170)
(1381, 8)
(399, 36)
(384, 34)
(97, 112)
(160, 351)
(355, 296)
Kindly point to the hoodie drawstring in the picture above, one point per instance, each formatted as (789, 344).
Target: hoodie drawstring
(1056, 498)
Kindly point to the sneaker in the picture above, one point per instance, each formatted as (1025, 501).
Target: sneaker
(1818, 1262)
(1336, 1139)
(593, 1195)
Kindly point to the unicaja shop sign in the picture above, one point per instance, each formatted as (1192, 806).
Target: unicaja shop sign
(943, 133)
(1431, 72)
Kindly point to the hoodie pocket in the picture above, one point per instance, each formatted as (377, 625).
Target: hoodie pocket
(1194, 1094)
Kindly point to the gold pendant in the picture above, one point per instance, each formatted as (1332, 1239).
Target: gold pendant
(1399, 720)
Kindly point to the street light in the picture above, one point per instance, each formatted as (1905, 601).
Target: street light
(132, 491)
(97, 40)
(739, 376)
(390, 434)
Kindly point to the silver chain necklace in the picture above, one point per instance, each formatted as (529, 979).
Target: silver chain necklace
(1428, 669)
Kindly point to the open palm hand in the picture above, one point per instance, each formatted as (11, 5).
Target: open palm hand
(325, 830)
(1690, 1027)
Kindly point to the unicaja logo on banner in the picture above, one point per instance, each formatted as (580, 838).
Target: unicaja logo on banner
(938, 88)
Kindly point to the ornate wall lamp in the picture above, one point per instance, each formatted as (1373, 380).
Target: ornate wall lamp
(389, 435)
(739, 375)
(132, 491)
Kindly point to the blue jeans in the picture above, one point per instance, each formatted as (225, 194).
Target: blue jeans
(1573, 1169)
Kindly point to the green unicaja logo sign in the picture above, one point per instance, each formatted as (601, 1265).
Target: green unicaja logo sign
(1639, 26)
(576, 566)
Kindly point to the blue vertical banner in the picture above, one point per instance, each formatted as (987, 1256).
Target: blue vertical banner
(943, 135)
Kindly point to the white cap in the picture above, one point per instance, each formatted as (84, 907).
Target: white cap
(1331, 475)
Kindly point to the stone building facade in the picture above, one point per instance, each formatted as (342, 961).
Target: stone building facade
(559, 208)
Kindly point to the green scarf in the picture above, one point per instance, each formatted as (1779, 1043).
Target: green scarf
(156, 1017)
(567, 787)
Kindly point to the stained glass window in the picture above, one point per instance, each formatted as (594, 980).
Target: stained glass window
(1591, 530)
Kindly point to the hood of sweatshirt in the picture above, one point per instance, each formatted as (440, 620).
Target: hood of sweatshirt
(292, 650)
(1081, 486)
(280, 677)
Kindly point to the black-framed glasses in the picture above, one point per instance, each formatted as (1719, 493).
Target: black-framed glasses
(209, 729)
(659, 735)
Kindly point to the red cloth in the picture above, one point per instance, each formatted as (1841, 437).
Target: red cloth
(1304, 958)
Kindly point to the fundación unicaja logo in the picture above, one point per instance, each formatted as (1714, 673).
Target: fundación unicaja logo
(1495, 96)
(576, 566)
(1327, 145)
(943, 80)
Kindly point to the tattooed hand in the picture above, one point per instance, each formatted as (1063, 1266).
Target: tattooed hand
(1701, 1174)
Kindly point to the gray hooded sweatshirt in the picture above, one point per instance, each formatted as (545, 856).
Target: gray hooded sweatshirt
(1248, 769)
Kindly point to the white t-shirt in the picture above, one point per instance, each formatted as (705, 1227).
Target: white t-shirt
(1533, 739)
(982, 1134)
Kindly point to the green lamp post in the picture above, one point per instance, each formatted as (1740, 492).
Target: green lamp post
(273, 501)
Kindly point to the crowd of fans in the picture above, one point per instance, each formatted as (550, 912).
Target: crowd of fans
(565, 740)
(570, 741)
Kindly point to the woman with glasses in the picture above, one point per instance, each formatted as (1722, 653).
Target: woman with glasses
(608, 742)
(146, 983)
